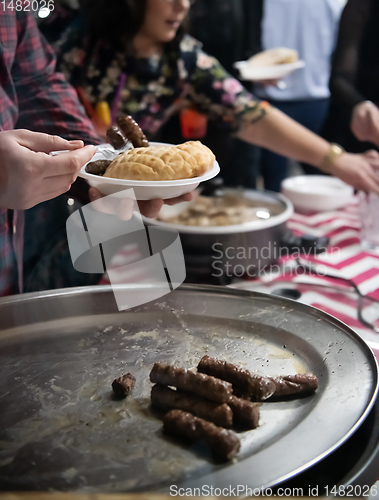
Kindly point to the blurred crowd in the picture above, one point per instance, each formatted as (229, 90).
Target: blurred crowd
(170, 65)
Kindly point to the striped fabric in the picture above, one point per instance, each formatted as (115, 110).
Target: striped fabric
(344, 258)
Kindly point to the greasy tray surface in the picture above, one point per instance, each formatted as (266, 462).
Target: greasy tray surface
(145, 190)
(59, 351)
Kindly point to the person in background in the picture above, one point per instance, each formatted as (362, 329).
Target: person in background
(34, 96)
(310, 28)
(133, 56)
(247, 27)
(230, 31)
(354, 82)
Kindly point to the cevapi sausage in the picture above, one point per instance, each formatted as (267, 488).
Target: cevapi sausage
(198, 383)
(247, 382)
(116, 137)
(97, 167)
(245, 413)
(132, 131)
(168, 399)
(295, 384)
(222, 442)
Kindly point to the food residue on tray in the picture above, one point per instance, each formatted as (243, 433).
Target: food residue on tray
(123, 385)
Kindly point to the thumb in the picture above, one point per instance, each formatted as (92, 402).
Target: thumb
(45, 143)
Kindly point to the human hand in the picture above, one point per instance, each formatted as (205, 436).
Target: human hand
(124, 207)
(277, 82)
(365, 122)
(358, 170)
(28, 175)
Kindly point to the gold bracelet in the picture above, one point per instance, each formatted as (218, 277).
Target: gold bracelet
(333, 154)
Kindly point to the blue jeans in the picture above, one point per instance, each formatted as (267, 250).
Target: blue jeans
(312, 114)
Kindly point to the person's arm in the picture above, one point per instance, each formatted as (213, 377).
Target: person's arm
(268, 127)
(47, 103)
(279, 133)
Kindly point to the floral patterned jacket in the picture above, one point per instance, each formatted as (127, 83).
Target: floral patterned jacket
(156, 88)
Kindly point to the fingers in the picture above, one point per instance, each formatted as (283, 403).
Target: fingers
(121, 207)
(124, 207)
(94, 194)
(371, 154)
(150, 208)
(41, 197)
(179, 199)
(68, 163)
(62, 182)
(368, 181)
(373, 183)
(45, 143)
(269, 83)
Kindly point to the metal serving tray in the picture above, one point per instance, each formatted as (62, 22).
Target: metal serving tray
(60, 427)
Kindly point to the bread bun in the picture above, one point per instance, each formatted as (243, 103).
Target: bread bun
(160, 163)
(271, 57)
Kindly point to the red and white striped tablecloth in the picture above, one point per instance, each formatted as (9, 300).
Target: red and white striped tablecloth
(344, 258)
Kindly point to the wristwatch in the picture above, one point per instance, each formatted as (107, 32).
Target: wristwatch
(333, 154)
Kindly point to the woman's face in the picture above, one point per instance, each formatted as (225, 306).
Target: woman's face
(163, 18)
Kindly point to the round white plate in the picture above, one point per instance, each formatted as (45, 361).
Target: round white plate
(144, 190)
(277, 71)
(316, 192)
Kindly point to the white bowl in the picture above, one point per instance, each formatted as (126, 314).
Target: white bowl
(316, 193)
(274, 72)
(145, 190)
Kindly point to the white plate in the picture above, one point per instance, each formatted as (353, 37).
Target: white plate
(277, 71)
(145, 190)
(316, 192)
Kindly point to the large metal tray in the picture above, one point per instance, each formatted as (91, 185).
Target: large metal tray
(61, 429)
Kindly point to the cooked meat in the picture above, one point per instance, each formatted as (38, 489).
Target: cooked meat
(168, 399)
(116, 137)
(132, 131)
(222, 442)
(247, 382)
(98, 167)
(123, 385)
(295, 384)
(198, 383)
(245, 412)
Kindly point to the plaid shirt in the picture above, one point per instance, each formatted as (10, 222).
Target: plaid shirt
(35, 97)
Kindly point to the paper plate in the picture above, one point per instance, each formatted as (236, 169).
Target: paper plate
(275, 72)
(145, 190)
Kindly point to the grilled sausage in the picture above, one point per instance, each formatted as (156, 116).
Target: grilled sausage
(97, 167)
(246, 381)
(132, 131)
(222, 442)
(295, 384)
(245, 412)
(198, 383)
(116, 137)
(168, 399)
